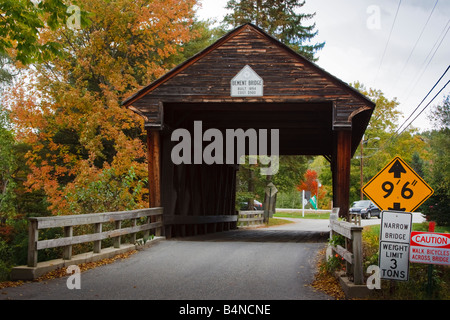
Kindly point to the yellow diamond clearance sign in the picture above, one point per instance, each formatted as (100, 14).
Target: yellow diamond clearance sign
(397, 187)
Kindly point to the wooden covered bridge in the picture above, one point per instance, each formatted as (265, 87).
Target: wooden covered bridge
(246, 80)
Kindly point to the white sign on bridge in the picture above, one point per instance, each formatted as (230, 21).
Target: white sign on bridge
(247, 83)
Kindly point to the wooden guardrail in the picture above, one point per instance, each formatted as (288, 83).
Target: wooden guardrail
(250, 218)
(153, 221)
(352, 252)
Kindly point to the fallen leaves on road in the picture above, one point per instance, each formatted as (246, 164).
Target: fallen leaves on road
(61, 272)
(326, 282)
(11, 284)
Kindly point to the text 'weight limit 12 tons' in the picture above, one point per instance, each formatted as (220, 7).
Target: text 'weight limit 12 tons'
(397, 187)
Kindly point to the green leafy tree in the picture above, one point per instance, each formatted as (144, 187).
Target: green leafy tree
(280, 18)
(418, 164)
(205, 35)
(21, 24)
(6, 74)
(380, 142)
(110, 192)
(7, 169)
(437, 208)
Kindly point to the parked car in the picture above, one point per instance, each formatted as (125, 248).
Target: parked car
(366, 208)
(256, 205)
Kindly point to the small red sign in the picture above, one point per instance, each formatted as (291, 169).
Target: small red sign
(430, 248)
(430, 239)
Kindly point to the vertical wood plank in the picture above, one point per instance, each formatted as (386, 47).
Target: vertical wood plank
(97, 244)
(33, 234)
(67, 254)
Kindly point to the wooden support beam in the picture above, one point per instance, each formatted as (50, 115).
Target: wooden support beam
(341, 171)
(154, 165)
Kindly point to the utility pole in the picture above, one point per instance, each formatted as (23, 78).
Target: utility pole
(361, 168)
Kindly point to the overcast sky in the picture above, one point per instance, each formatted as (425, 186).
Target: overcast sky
(359, 46)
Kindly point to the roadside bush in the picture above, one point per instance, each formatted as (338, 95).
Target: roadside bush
(371, 239)
(6, 258)
(417, 285)
(335, 262)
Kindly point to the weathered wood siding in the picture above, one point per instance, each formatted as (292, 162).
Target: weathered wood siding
(193, 194)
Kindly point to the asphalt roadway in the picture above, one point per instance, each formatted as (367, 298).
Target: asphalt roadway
(275, 263)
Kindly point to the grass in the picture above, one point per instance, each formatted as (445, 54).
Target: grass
(375, 229)
(424, 227)
(277, 222)
(308, 215)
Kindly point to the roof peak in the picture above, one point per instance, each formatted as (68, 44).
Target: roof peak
(226, 38)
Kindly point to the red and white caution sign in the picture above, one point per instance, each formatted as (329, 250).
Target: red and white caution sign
(430, 248)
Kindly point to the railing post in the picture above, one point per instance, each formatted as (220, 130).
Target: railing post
(118, 225)
(158, 231)
(98, 243)
(357, 256)
(68, 232)
(133, 235)
(147, 232)
(33, 236)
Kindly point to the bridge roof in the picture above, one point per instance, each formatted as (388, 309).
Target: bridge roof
(304, 101)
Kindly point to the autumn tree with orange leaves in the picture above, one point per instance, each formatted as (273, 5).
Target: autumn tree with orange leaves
(88, 152)
(311, 183)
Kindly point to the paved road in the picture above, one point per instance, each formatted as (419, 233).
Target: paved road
(243, 264)
(275, 263)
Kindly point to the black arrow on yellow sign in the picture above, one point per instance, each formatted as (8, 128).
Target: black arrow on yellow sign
(397, 169)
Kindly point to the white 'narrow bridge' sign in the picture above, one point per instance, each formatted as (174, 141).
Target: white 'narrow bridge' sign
(247, 83)
(395, 234)
(395, 226)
